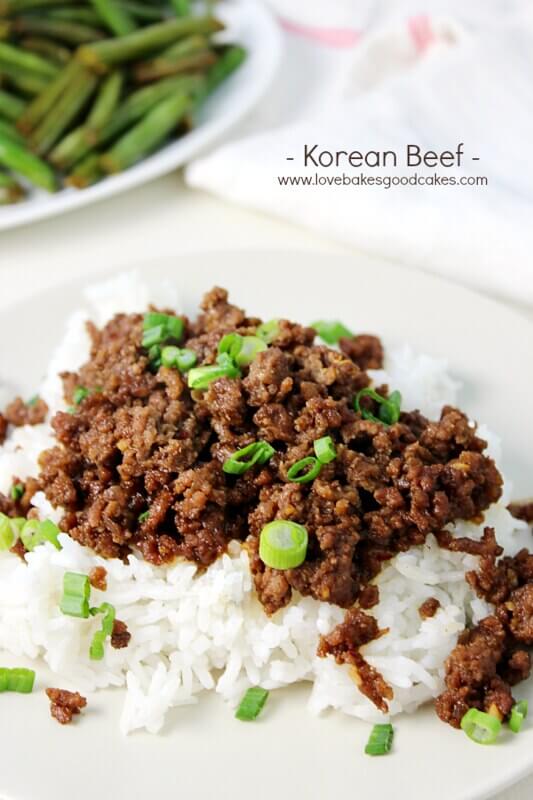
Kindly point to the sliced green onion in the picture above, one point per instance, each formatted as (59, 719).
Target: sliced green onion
(518, 715)
(482, 728)
(325, 449)
(76, 594)
(304, 470)
(34, 532)
(30, 534)
(180, 358)
(154, 356)
(389, 407)
(268, 331)
(251, 346)
(153, 336)
(17, 491)
(283, 544)
(18, 679)
(96, 650)
(380, 740)
(172, 327)
(330, 332)
(49, 532)
(33, 400)
(243, 460)
(7, 534)
(80, 393)
(241, 349)
(251, 704)
(144, 516)
(201, 377)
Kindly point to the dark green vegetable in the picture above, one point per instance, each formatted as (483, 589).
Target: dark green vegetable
(251, 704)
(58, 29)
(38, 108)
(165, 67)
(45, 47)
(29, 62)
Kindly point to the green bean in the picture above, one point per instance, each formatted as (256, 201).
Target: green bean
(11, 106)
(46, 47)
(117, 19)
(42, 104)
(163, 68)
(22, 161)
(64, 31)
(101, 55)
(148, 134)
(29, 62)
(60, 116)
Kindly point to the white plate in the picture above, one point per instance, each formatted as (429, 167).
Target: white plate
(252, 26)
(203, 752)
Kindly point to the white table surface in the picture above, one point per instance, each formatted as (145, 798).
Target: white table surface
(160, 219)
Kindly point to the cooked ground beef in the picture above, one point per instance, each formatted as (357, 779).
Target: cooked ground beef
(522, 511)
(20, 413)
(120, 636)
(64, 704)
(490, 658)
(3, 429)
(429, 608)
(365, 350)
(98, 578)
(139, 462)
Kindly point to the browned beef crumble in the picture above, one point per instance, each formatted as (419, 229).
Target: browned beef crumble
(3, 429)
(491, 657)
(429, 608)
(522, 510)
(98, 578)
(120, 636)
(64, 705)
(143, 442)
(365, 350)
(20, 413)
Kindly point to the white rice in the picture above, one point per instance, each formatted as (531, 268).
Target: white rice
(195, 632)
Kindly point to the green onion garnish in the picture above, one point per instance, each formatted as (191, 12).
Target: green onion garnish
(283, 544)
(18, 679)
(241, 349)
(96, 650)
(304, 470)
(17, 491)
(154, 356)
(153, 336)
(251, 704)
(7, 534)
(268, 331)
(482, 728)
(76, 594)
(159, 328)
(144, 516)
(325, 449)
(389, 407)
(34, 532)
(330, 332)
(33, 401)
(518, 715)
(180, 358)
(380, 740)
(80, 393)
(243, 460)
(201, 377)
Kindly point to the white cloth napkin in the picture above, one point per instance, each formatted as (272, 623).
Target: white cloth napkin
(387, 77)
